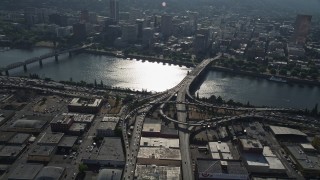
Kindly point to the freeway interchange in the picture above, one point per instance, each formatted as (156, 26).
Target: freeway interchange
(181, 92)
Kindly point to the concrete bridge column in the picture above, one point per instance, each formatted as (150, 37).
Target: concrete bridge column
(25, 67)
(70, 54)
(7, 72)
(40, 62)
(56, 58)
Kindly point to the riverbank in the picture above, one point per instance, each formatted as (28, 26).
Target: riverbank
(265, 76)
(139, 57)
(45, 44)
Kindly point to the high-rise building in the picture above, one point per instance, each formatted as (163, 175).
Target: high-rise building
(114, 10)
(166, 25)
(147, 36)
(79, 31)
(129, 33)
(301, 28)
(84, 16)
(140, 25)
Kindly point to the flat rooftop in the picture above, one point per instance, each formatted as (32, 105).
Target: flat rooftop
(275, 164)
(308, 161)
(28, 124)
(278, 130)
(219, 147)
(19, 138)
(159, 153)
(79, 117)
(78, 127)
(6, 136)
(152, 125)
(157, 172)
(251, 144)
(68, 141)
(83, 102)
(230, 169)
(11, 150)
(112, 174)
(50, 138)
(26, 171)
(255, 159)
(157, 142)
(50, 172)
(110, 150)
(44, 150)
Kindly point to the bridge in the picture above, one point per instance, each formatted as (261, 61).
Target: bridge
(39, 59)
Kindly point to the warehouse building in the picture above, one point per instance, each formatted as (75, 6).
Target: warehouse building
(220, 150)
(110, 153)
(157, 172)
(159, 156)
(26, 171)
(85, 106)
(51, 172)
(41, 153)
(107, 126)
(159, 142)
(50, 139)
(221, 169)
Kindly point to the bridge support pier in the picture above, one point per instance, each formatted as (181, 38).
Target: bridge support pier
(25, 67)
(7, 72)
(40, 63)
(56, 58)
(70, 54)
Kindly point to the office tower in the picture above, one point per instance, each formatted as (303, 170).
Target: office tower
(114, 10)
(301, 28)
(166, 25)
(140, 25)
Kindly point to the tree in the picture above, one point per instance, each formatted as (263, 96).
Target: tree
(95, 83)
(314, 111)
(273, 71)
(101, 83)
(283, 72)
(82, 168)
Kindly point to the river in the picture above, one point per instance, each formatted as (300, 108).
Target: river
(150, 76)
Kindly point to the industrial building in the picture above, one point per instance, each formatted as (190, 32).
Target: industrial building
(77, 129)
(51, 172)
(286, 133)
(84, 106)
(10, 153)
(80, 118)
(307, 162)
(264, 162)
(41, 153)
(19, 139)
(107, 126)
(251, 145)
(114, 174)
(5, 115)
(157, 172)
(50, 139)
(159, 156)
(159, 142)
(221, 169)
(66, 144)
(6, 136)
(27, 125)
(220, 150)
(61, 123)
(25, 171)
(110, 153)
(151, 128)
